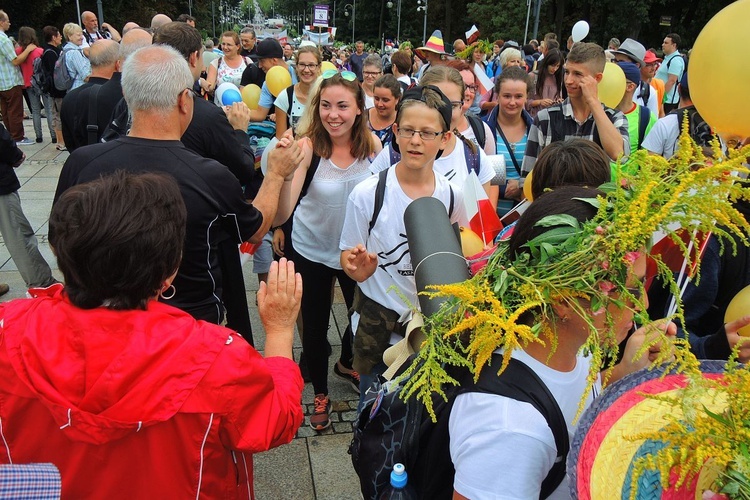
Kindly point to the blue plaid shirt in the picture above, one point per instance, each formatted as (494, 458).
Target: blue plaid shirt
(30, 481)
(542, 134)
(10, 75)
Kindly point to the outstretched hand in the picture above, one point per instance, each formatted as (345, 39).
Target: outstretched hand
(278, 305)
(359, 263)
(734, 338)
(286, 156)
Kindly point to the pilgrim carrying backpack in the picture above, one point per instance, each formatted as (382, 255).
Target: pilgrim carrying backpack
(390, 430)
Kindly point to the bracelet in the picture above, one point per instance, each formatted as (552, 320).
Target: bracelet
(273, 229)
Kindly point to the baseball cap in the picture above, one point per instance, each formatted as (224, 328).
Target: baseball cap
(269, 48)
(632, 73)
(632, 49)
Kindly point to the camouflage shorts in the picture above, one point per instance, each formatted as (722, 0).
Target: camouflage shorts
(373, 332)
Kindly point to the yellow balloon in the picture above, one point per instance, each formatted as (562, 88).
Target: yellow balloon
(471, 243)
(718, 79)
(527, 187)
(740, 304)
(277, 79)
(612, 85)
(251, 95)
(326, 65)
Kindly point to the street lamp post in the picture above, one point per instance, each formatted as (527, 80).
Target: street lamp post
(423, 7)
(353, 7)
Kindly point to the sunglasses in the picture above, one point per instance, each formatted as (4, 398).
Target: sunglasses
(346, 75)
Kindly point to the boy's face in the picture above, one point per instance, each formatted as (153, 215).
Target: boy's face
(574, 73)
(419, 152)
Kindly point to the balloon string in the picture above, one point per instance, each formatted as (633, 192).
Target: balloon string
(437, 253)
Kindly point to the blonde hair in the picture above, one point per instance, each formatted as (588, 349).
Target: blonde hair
(70, 29)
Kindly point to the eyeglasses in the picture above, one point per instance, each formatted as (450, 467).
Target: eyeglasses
(472, 88)
(425, 135)
(457, 104)
(346, 75)
(310, 67)
(371, 73)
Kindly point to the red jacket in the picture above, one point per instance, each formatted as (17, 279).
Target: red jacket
(139, 404)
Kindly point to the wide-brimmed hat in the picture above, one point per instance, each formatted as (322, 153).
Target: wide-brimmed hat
(634, 50)
(650, 58)
(434, 44)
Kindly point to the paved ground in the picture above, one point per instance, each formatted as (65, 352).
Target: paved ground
(314, 465)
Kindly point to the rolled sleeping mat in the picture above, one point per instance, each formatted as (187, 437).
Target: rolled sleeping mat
(435, 249)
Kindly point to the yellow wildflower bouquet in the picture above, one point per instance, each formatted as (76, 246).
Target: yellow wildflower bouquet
(504, 305)
(702, 440)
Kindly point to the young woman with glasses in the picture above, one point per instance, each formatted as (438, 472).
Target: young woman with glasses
(338, 146)
(308, 70)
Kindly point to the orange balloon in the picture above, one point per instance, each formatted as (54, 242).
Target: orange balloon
(738, 308)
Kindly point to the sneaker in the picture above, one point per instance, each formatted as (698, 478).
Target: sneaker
(25, 142)
(54, 140)
(352, 376)
(320, 419)
(39, 139)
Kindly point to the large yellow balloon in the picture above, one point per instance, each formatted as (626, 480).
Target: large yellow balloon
(326, 65)
(718, 78)
(739, 306)
(527, 187)
(251, 95)
(277, 79)
(612, 85)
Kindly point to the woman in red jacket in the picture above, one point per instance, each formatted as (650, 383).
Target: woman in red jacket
(129, 397)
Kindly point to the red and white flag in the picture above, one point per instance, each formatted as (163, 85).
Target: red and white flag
(472, 35)
(483, 219)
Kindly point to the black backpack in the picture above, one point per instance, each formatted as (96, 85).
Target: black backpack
(41, 78)
(477, 126)
(390, 431)
(698, 129)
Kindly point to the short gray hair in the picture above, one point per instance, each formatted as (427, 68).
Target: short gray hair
(509, 54)
(153, 77)
(373, 60)
(246, 30)
(101, 58)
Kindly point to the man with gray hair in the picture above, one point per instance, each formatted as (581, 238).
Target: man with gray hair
(247, 41)
(74, 113)
(157, 85)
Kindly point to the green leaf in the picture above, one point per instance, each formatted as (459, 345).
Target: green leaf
(553, 236)
(608, 187)
(719, 418)
(558, 220)
(594, 202)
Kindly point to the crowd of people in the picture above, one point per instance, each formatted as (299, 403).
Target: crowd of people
(163, 183)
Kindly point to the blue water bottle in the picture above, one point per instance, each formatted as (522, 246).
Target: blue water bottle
(399, 489)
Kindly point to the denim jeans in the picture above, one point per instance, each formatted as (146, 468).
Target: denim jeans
(35, 99)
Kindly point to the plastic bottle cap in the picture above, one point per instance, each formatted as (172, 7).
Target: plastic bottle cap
(399, 476)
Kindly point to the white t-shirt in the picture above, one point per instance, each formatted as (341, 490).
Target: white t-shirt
(388, 237)
(452, 166)
(318, 219)
(369, 101)
(662, 139)
(653, 100)
(489, 141)
(282, 102)
(503, 448)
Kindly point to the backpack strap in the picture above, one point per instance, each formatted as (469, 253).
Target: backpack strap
(644, 117)
(92, 126)
(477, 126)
(379, 197)
(521, 383)
(314, 163)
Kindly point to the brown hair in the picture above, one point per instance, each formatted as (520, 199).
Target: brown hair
(118, 238)
(513, 73)
(572, 162)
(27, 36)
(235, 37)
(389, 82)
(437, 74)
(361, 139)
(402, 61)
(459, 65)
(590, 54)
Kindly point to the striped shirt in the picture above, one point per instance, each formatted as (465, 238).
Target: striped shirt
(505, 205)
(564, 126)
(10, 76)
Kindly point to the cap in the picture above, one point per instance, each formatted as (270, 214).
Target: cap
(632, 72)
(632, 49)
(650, 58)
(269, 48)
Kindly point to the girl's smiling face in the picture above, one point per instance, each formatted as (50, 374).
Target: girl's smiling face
(338, 110)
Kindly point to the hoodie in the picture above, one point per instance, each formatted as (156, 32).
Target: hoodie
(138, 404)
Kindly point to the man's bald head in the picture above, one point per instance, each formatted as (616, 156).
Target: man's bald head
(159, 20)
(129, 26)
(89, 21)
(133, 40)
(103, 56)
